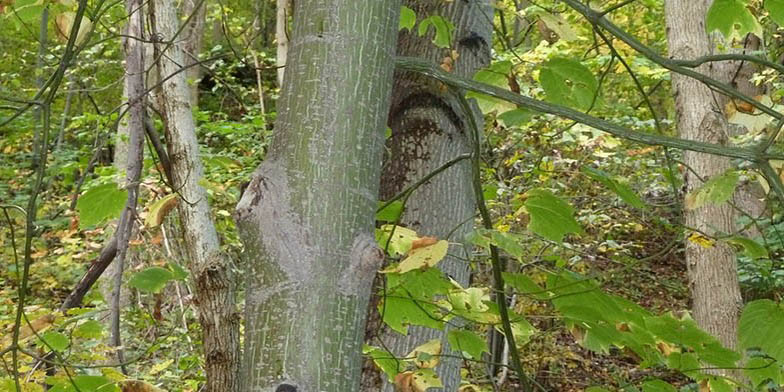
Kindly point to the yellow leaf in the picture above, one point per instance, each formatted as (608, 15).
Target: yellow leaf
(701, 240)
(421, 258)
(427, 354)
(160, 209)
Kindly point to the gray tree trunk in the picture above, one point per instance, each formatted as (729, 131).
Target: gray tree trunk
(307, 217)
(426, 133)
(211, 270)
(713, 277)
(282, 13)
(194, 38)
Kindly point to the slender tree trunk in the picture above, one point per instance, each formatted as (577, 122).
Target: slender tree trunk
(134, 148)
(43, 36)
(282, 13)
(194, 38)
(427, 131)
(749, 195)
(211, 270)
(307, 217)
(713, 277)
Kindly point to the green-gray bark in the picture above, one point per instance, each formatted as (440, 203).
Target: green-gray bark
(428, 130)
(307, 217)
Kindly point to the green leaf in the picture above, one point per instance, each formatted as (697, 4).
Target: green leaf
(516, 117)
(759, 370)
(525, 286)
(407, 18)
(443, 29)
(384, 360)
(717, 190)
(775, 10)
(657, 386)
(468, 343)
(100, 203)
(751, 248)
(399, 313)
(497, 74)
(569, 83)
(624, 191)
(551, 217)
(596, 389)
(83, 382)
(90, 329)
(732, 19)
(178, 273)
(151, 279)
(760, 327)
(55, 340)
(391, 212)
(508, 242)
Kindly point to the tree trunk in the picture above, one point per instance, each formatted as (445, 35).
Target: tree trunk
(129, 158)
(211, 270)
(426, 133)
(194, 38)
(307, 217)
(282, 13)
(713, 277)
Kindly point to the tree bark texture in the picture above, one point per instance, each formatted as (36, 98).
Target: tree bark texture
(194, 38)
(282, 14)
(211, 269)
(713, 277)
(307, 216)
(428, 129)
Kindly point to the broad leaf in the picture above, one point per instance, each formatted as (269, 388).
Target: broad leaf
(427, 355)
(56, 340)
(443, 30)
(160, 209)
(751, 248)
(776, 10)
(407, 18)
(425, 379)
(551, 217)
(732, 19)
(468, 343)
(100, 203)
(384, 360)
(717, 190)
(421, 258)
(90, 329)
(389, 213)
(400, 242)
(151, 279)
(761, 327)
(569, 83)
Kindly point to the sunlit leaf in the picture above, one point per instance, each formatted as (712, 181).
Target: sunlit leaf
(443, 30)
(422, 257)
(424, 379)
(384, 360)
(426, 355)
(407, 18)
(100, 203)
(732, 19)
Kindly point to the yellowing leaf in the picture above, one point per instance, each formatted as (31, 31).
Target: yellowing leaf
(160, 366)
(424, 379)
(421, 258)
(701, 240)
(160, 209)
(64, 24)
(400, 241)
(427, 354)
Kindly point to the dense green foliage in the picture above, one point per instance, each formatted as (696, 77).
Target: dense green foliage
(588, 224)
